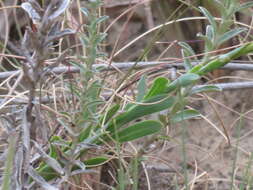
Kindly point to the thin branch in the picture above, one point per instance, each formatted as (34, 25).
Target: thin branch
(128, 65)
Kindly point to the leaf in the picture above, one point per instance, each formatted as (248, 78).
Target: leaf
(59, 34)
(182, 81)
(49, 160)
(222, 60)
(155, 104)
(85, 11)
(33, 14)
(111, 112)
(84, 146)
(205, 88)
(187, 52)
(245, 6)
(141, 88)
(79, 164)
(159, 87)
(81, 171)
(138, 130)
(101, 19)
(26, 130)
(184, 115)
(187, 48)
(47, 172)
(85, 133)
(187, 61)
(209, 17)
(230, 34)
(61, 143)
(95, 161)
(84, 40)
(208, 42)
(40, 180)
(220, 6)
(103, 121)
(100, 37)
(210, 33)
(9, 158)
(68, 128)
(59, 8)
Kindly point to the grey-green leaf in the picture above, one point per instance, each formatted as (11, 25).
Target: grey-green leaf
(184, 115)
(101, 19)
(183, 81)
(85, 11)
(53, 163)
(187, 48)
(245, 6)
(33, 14)
(205, 88)
(210, 33)
(230, 34)
(209, 17)
(59, 9)
(141, 88)
(187, 61)
(139, 130)
(40, 180)
(154, 105)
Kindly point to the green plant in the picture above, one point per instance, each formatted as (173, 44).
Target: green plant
(90, 122)
(93, 129)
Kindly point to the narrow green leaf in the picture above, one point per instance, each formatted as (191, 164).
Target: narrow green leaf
(208, 43)
(245, 6)
(110, 113)
(205, 88)
(85, 11)
(209, 17)
(230, 34)
(222, 60)
(220, 6)
(139, 130)
(104, 120)
(101, 19)
(141, 88)
(50, 161)
(47, 172)
(85, 133)
(95, 161)
(184, 115)
(210, 33)
(183, 81)
(187, 61)
(178, 106)
(84, 40)
(186, 52)
(83, 146)
(159, 87)
(187, 48)
(40, 180)
(156, 104)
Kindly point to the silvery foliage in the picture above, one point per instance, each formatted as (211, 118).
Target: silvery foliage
(36, 47)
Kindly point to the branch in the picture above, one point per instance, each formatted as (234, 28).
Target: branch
(128, 65)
